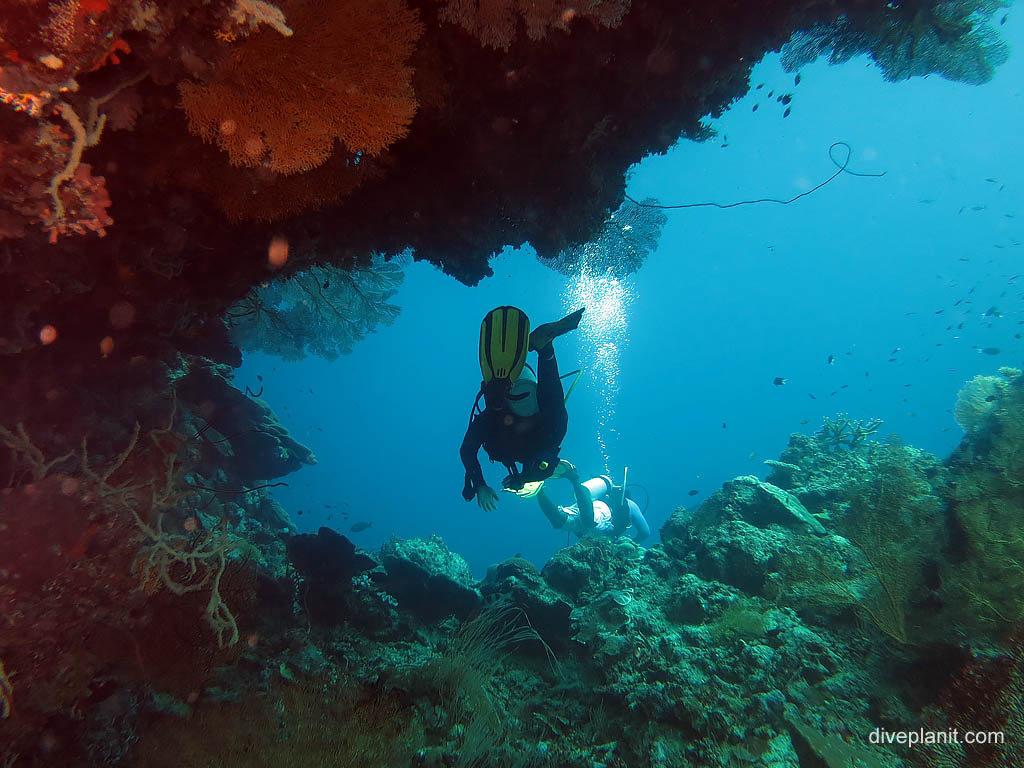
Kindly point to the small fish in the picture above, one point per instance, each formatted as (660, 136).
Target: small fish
(693, 492)
(779, 381)
(360, 526)
(991, 350)
(831, 359)
(787, 112)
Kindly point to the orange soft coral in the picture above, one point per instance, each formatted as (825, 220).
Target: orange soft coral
(282, 101)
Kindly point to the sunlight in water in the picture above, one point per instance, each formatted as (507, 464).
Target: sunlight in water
(603, 328)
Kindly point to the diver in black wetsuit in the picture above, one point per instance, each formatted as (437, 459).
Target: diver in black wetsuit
(524, 420)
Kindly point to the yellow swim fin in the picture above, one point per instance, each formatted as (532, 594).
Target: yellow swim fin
(504, 335)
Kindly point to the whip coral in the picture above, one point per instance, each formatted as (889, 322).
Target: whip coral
(281, 102)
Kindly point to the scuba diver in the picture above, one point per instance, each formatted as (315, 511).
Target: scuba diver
(601, 508)
(524, 420)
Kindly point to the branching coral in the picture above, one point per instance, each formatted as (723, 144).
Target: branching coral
(27, 454)
(493, 22)
(282, 101)
(182, 563)
(844, 431)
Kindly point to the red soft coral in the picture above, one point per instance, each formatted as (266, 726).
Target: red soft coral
(85, 202)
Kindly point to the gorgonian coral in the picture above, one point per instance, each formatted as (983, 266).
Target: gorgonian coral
(321, 311)
(910, 38)
(281, 101)
(627, 238)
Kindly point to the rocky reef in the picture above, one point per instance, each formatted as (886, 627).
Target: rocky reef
(863, 587)
(172, 173)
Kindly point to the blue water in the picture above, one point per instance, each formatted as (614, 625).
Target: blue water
(683, 391)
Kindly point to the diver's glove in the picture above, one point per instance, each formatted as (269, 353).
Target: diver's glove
(486, 498)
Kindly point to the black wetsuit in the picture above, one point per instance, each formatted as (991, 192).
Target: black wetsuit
(511, 439)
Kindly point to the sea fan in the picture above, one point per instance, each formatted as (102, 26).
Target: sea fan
(321, 311)
(953, 39)
(628, 237)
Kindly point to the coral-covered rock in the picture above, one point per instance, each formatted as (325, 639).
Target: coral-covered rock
(242, 433)
(428, 579)
(519, 580)
(587, 568)
(326, 561)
